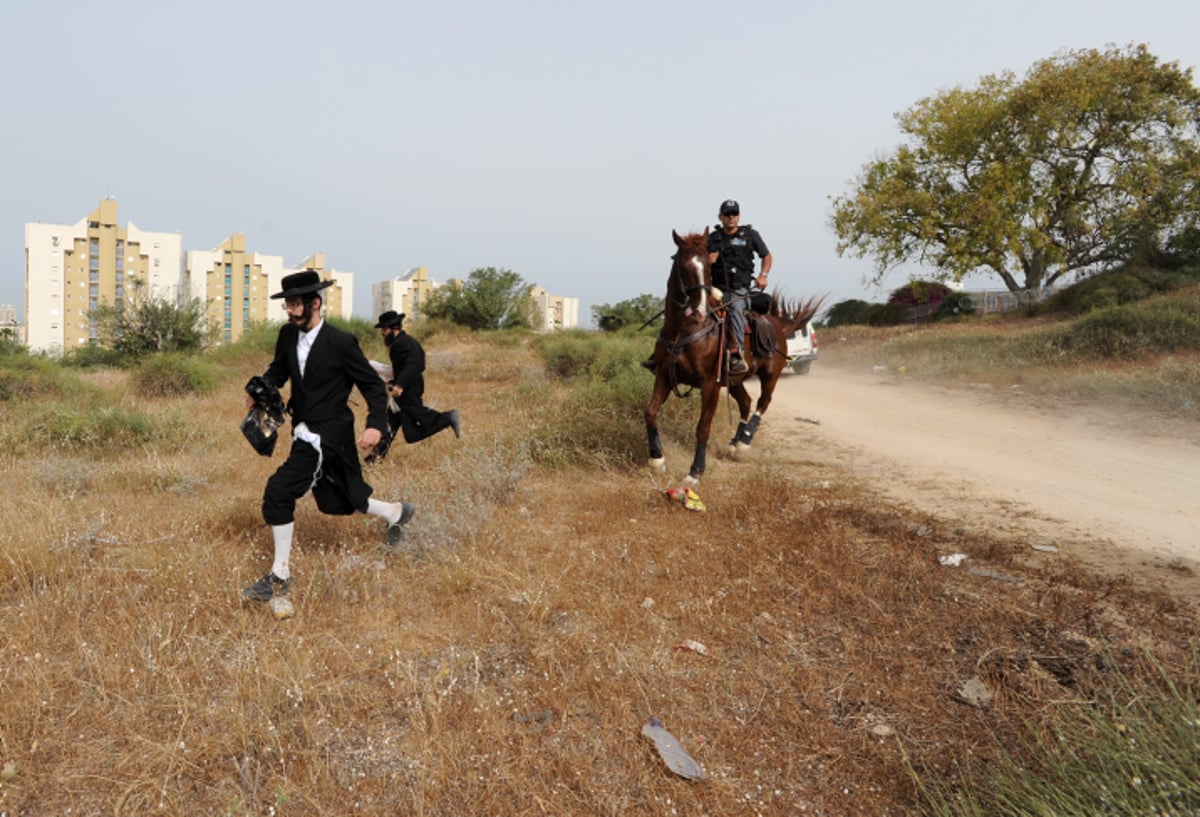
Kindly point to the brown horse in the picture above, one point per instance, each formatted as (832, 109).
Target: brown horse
(690, 350)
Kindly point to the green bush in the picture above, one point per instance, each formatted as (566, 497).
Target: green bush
(847, 313)
(599, 423)
(95, 356)
(1125, 332)
(27, 377)
(174, 375)
(892, 314)
(105, 428)
(1128, 285)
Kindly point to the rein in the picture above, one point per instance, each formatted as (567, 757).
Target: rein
(679, 294)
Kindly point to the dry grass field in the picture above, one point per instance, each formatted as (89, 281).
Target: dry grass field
(505, 660)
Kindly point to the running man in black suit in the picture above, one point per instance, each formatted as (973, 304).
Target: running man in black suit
(323, 364)
(407, 388)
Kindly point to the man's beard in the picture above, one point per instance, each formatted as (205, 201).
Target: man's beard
(302, 320)
(389, 339)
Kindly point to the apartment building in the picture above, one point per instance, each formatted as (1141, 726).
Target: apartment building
(404, 293)
(338, 299)
(236, 285)
(73, 269)
(555, 311)
(11, 327)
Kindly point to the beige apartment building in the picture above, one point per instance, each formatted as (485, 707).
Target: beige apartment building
(339, 298)
(555, 311)
(404, 293)
(236, 286)
(72, 270)
(11, 327)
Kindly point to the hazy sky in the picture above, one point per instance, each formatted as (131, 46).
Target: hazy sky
(563, 140)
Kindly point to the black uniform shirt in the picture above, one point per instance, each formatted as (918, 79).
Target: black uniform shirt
(734, 266)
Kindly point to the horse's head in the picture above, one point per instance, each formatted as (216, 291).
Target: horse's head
(690, 284)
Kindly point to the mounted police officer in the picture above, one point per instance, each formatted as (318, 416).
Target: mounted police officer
(731, 250)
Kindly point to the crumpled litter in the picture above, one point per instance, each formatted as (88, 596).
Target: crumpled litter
(953, 560)
(691, 646)
(687, 497)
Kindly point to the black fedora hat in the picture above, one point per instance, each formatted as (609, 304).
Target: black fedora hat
(305, 282)
(389, 319)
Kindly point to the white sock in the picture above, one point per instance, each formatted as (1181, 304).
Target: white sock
(388, 510)
(283, 549)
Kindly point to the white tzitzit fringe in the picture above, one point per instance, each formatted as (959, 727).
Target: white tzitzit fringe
(301, 432)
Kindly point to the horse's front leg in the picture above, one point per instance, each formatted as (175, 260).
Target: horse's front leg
(657, 460)
(709, 395)
(742, 436)
(767, 379)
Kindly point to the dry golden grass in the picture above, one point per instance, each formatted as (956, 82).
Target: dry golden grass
(504, 662)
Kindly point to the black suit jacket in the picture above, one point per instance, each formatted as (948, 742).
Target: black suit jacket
(336, 364)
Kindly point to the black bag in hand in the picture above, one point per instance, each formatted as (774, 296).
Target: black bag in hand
(261, 425)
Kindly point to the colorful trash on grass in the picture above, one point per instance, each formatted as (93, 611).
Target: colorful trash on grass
(686, 497)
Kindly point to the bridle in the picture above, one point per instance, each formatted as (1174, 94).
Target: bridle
(680, 293)
(682, 290)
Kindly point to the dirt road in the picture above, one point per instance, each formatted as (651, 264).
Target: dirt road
(1117, 492)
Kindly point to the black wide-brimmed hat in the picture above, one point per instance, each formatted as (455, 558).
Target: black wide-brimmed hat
(305, 282)
(390, 319)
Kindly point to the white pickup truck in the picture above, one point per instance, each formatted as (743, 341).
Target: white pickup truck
(802, 348)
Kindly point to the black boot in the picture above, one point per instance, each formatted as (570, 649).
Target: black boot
(736, 364)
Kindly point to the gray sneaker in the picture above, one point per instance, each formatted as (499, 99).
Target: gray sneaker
(267, 588)
(455, 423)
(395, 531)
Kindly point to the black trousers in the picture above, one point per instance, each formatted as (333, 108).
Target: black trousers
(339, 489)
(417, 420)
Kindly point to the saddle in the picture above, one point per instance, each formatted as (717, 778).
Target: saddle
(760, 338)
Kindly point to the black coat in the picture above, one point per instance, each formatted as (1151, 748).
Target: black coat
(320, 400)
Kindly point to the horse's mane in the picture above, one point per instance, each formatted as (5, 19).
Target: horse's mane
(695, 242)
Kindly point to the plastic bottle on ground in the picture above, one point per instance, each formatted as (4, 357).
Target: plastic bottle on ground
(672, 752)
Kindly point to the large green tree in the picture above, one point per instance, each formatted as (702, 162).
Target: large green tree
(488, 299)
(1089, 157)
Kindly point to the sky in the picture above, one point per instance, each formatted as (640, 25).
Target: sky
(561, 139)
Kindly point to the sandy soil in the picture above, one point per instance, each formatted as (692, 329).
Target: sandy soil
(1118, 493)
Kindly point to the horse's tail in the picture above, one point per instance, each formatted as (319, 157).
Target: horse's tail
(793, 315)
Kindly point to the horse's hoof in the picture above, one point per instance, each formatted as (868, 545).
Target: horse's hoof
(742, 447)
(691, 480)
(659, 465)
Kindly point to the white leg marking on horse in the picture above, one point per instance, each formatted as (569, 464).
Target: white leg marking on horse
(659, 464)
(741, 446)
(690, 480)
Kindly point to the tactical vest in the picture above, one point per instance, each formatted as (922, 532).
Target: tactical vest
(734, 267)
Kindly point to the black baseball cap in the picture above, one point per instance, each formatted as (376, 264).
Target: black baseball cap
(729, 207)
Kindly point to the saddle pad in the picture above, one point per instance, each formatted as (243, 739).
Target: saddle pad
(762, 343)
